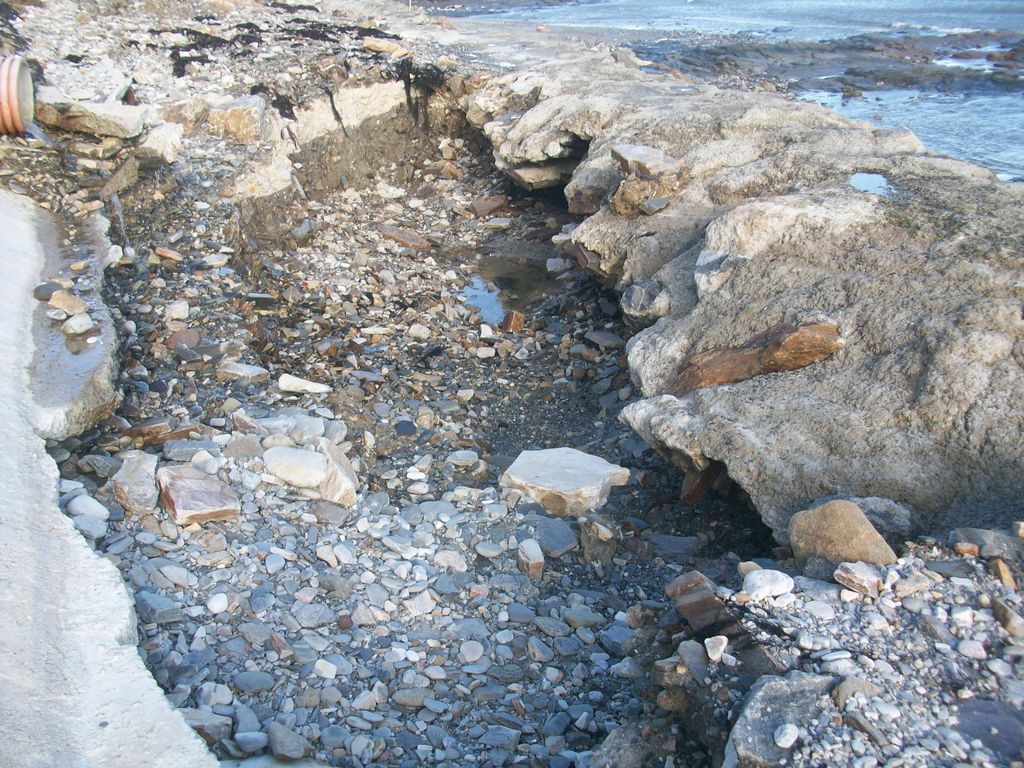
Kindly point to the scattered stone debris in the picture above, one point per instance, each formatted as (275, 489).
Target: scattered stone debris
(343, 496)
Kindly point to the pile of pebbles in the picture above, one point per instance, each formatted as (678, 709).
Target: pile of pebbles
(302, 483)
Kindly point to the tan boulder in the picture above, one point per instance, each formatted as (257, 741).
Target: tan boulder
(837, 531)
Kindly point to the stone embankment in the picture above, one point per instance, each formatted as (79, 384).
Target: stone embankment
(341, 492)
(814, 335)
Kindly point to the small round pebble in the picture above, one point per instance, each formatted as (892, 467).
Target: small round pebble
(786, 735)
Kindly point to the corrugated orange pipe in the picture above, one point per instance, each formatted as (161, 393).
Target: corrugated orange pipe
(17, 95)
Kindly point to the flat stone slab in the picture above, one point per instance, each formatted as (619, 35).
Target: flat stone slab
(565, 481)
(302, 469)
(192, 496)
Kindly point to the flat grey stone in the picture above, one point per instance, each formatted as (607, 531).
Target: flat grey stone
(156, 609)
(556, 537)
(254, 681)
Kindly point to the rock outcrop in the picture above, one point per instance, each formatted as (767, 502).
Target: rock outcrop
(814, 339)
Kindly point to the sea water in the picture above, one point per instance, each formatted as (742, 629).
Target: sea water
(790, 19)
(985, 126)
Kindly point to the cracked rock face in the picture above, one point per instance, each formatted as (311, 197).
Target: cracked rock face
(908, 389)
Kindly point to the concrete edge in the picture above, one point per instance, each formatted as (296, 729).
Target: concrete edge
(71, 680)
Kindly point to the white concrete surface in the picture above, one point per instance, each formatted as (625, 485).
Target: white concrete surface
(73, 690)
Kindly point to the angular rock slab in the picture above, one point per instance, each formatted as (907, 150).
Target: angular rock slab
(565, 481)
(299, 468)
(122, 121)
(191, 496)
(340, 483)
(774, 701)
(135, 484)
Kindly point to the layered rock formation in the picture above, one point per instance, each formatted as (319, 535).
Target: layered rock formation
(814, 338)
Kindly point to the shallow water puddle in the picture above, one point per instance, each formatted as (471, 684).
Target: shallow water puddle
(872, 183)
(507, 282)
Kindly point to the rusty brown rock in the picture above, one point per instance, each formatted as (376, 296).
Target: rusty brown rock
(697, 604)
(489, 205)
(633, 191)
(513, 321)
(781, 348)
(184, 338)
(192, 496)
(404, 237)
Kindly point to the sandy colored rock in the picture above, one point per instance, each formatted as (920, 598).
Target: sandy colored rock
(295, 466)
(191, 496)
(921, 404)
(860, 577)
(340, 482)
(134, 483)
(162, 143)
(289, 383)
(100, 119)
(635, 158)
(67, 302)
(243, 372)
(530, 559)
(243, 119)
(565, 481)
(837, 531)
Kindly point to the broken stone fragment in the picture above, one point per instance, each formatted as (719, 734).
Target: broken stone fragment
(860, 577)
(781, 348)
(242, 372)
(134, 483)
(100, 119)
(1010, 620)
(340, 482)
(385, 46)
(636, 158)
(837, 531)
(542, 176)
(210, 726)
(77, 324)
(162, 144)
(565, 481)
(605, 339)
(850, 686)
(697, 604)
(531, 559)
(299, 468)
(600, 538)
(489, 205)
(156, 609)
(243, 119)
(289, 383)
(634, 191)
(67, 302)
(404, 237)
(192, 496)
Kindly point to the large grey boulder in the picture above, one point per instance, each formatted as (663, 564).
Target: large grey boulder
(913, 394)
